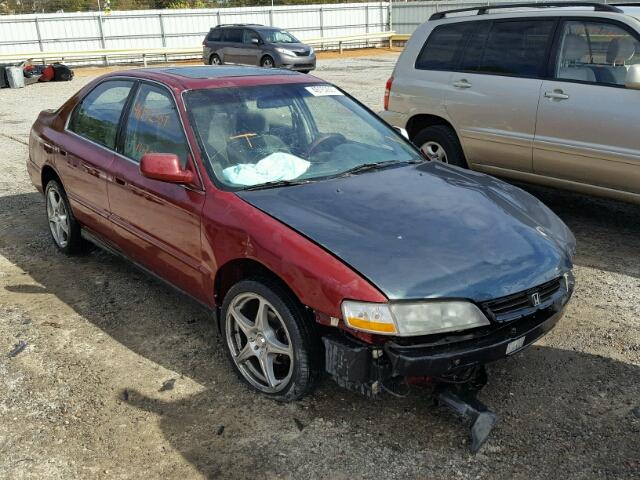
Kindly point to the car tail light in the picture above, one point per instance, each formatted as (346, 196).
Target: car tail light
(387, 92)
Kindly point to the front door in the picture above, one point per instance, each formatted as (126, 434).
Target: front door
(157, 222)
(250, 54)
(493, 97)
(587, 120)
(85, 153)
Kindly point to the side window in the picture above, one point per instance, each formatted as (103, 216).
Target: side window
(443, 46)
(233, 35)
(98, 115)
(214, 35)
(517, 48)
(596, 52)
(154, 126)
(248, 35)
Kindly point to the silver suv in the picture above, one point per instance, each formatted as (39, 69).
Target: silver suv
(538, 94)
(257, 45)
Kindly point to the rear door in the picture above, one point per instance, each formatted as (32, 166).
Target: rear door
(232, 50)
(587, 120)
(85, 153)
(158, 222)
(492, 97)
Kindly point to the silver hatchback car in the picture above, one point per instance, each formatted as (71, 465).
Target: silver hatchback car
(543, 95)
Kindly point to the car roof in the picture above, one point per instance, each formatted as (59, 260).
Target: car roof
(208, 76)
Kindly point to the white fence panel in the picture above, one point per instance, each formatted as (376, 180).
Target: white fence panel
(180, 28)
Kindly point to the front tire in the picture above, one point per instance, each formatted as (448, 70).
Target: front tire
(63, 226)
(440, 143)
(267, 62)
(270, 339)
(215, 60)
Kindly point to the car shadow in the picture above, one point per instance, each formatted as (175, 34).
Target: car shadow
(574, 410)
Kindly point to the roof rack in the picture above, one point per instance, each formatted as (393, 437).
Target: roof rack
(483, 10)
(239, 25)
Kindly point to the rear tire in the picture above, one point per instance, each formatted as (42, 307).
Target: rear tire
(63, 226)
(215, 60)
(304, 71)
(440, 143)
(283, 343)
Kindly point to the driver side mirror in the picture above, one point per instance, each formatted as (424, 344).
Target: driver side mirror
(402, 132)
(164, 167)
(633, 77)
(255, 41)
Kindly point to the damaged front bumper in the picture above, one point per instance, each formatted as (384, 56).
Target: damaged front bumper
(368, 368)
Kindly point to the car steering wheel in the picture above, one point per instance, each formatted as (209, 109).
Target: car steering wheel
(323, 139)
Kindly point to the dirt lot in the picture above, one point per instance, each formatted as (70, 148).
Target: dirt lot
(85, 398)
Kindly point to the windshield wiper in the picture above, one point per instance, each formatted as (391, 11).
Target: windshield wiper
(275, 184)
(365, 167)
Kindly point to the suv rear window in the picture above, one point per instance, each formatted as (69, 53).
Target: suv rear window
(515, 48)
(442, 46)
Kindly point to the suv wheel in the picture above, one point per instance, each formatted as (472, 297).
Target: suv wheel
(215, 60)
(267, 62)
(64, 228)
(440, 143)
(270, 339)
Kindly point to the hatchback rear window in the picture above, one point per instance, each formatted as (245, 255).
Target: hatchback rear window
(443, 46)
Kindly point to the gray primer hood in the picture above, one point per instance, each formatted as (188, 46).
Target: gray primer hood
(428, 230)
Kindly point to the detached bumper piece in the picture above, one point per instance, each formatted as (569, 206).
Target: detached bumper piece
(461, 399)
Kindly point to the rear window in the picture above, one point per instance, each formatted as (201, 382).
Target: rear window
(441, 49)
(233, 35)
(214, 35)
(513, 48)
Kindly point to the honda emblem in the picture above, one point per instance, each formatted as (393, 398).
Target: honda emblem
(535, 299)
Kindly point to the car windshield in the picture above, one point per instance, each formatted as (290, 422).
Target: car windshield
(278, 36)
(296, 133)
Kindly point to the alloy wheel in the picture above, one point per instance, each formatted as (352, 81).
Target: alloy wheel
(267, 63)
(434, 152)
(259, 342)
(59, 222)
(215, 60)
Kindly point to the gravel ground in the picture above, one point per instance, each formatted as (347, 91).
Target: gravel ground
(84, 399)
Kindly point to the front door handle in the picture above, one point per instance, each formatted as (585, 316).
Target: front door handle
(120, 181)
(556, 95)
(464, 83)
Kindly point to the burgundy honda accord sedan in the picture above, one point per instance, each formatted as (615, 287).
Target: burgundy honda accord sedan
(319, 236)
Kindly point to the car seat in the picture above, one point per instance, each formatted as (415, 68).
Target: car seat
(574, 49)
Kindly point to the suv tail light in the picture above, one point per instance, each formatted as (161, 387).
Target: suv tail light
(387, 92)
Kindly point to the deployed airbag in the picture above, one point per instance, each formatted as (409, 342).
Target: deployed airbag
(274, 167)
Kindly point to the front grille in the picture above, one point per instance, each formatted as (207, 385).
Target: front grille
(524, 303)
(301, 54)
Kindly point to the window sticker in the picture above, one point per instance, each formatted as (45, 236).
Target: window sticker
(322, 90)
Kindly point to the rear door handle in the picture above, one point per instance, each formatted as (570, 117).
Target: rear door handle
(556, 95)
(120, 181)
(464, 83)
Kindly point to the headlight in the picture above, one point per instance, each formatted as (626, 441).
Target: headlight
(412, 318)
(284, 51)
(311, 50)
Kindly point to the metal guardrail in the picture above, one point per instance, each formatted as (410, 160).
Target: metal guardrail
(146, 53)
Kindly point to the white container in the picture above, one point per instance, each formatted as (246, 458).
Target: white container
(15, 77)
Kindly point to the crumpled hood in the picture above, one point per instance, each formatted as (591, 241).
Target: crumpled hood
(428, 230)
